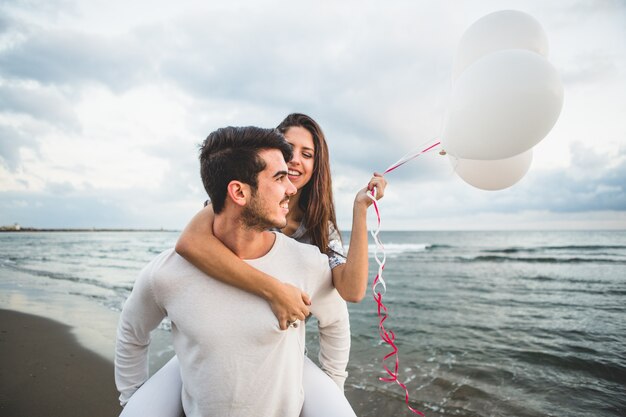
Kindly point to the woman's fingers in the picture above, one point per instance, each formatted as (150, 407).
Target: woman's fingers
(379, 183)
(290, 305)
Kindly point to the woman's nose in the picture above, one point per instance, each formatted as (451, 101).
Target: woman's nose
(295, 160)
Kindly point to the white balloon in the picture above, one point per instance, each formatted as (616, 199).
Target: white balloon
(502, 105)
(506, 29)
(493, 175)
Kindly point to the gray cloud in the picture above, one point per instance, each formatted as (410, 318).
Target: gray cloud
(591, 183)
(50, 8)
(376, 78)
(587, 7)
(93, 208)
(41, 104)
(331, 72)
(11, 140)
(50, 210)
(182, 181)
(66, 57)
(5, 24)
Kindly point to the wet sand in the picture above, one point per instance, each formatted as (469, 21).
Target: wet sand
(44, 371)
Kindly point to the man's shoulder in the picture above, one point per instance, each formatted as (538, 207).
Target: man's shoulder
(305, 258)
(304, 249)
(163, 258)
(165, 262)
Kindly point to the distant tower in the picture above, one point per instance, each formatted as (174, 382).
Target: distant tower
(17, 226)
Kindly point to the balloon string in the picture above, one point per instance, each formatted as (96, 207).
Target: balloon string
(388, 336)
(412, 155)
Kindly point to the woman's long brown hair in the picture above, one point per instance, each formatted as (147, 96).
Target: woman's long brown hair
(316, 197)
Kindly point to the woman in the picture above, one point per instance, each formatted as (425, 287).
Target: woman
(311, 219)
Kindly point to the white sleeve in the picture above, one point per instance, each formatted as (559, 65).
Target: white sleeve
(140, 315)
(331, 312)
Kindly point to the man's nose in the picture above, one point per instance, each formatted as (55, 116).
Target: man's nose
(291, 189)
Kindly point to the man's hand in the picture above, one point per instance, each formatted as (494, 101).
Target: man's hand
(289, 305)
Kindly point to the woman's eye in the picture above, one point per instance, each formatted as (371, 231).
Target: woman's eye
(307, 155)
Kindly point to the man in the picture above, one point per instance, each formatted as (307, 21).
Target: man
(234, 359)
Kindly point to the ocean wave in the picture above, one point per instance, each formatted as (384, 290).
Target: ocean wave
(438, 246)
(72, 278)
(540, 278)
(582, 248)
(549, 260)
(594, 366)
(395, 248)
(575, 281)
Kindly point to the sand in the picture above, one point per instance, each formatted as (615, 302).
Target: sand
(44, 371)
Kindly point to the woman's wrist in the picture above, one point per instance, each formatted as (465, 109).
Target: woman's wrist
(361, 206)
(270, 288)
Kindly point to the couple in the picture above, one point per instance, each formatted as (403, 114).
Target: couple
(233, 357)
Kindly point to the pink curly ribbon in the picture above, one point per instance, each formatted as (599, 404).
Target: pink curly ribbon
(388, 336)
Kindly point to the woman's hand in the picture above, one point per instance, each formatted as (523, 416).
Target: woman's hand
(350, 279)
(199, 246)
(289, 305)
(377, 182)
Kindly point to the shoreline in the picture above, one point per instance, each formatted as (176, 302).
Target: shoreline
(12, 229)
(66, 322)
(89, 327)
(45, 371)
(94, 229)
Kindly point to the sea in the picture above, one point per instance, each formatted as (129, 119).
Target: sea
(494, 323)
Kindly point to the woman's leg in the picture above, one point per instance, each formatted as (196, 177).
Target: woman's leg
(322, 397)
(159, 396)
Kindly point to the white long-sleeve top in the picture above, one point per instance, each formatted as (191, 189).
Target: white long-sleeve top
(234, 359)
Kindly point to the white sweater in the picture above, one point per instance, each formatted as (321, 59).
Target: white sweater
(234, 359)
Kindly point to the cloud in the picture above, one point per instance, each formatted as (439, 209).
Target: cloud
(102, 107)
(11, 141)
(594, 183)
(49, 8)
(133, 208)
(330, 72)
(64, 57)
(40, 103)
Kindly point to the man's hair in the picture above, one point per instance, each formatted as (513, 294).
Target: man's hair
(232, 154)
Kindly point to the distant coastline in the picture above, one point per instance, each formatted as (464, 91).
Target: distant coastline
(92, 229)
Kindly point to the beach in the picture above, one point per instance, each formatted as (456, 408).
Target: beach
(502, 324)
(48, 368)
(46, 372)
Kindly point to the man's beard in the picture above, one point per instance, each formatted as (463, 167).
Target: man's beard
(255, 217)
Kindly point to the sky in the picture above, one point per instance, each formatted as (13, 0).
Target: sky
(103, 106)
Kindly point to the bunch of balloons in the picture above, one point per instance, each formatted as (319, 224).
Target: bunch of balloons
(506, 98)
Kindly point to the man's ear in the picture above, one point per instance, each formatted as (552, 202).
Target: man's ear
(238, 192)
